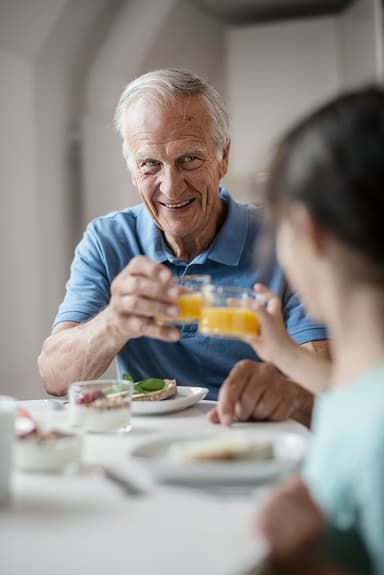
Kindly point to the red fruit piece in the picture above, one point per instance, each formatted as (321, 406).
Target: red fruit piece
(21, 412)
(90, 396)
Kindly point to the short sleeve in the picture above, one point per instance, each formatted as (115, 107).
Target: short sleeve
(300, 326)
(88, 288)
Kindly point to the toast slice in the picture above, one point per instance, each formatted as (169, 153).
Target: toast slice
(169, 390)
(223, 448)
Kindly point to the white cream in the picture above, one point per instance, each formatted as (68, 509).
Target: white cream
(53, 454)
(95, 420)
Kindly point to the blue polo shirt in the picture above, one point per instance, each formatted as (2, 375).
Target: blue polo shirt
(111, 241)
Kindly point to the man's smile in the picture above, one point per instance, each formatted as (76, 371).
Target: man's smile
(174, 206)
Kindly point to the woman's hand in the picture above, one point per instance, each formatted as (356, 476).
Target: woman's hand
(293, 525)
(273, 338)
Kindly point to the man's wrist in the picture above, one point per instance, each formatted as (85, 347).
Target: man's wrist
(112, 328)
(303, 402)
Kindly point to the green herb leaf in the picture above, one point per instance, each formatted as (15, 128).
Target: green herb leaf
(149, 385)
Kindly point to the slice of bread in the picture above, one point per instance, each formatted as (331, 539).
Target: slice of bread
(222, 448)
(169, 390)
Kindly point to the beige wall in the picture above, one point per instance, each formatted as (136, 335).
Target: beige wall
(275, 73)
(63, 64)
(360, 34)
(44, 47)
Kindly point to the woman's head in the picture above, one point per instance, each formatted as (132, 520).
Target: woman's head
(326, 194)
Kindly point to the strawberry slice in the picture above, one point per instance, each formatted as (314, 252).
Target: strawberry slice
(24, 423)
(90, 396)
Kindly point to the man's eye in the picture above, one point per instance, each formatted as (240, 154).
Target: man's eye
(190, 162)
(149, 166)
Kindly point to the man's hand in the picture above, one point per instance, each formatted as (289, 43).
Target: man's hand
(140, 293)
(77, 352)
(259, 391)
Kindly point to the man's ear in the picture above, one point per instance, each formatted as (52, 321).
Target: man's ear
(223, 167)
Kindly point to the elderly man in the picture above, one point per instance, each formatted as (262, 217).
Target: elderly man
(176, 143)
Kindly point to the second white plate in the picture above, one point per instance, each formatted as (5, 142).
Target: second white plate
(289, 449)
(185, 397)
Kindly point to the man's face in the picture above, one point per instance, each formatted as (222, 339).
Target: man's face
(173, 160)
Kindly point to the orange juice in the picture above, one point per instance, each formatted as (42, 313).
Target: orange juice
(190, 304)
(237, 322)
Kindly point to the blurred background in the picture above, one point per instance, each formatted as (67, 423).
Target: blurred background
(63, 65)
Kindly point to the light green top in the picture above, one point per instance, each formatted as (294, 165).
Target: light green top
(345, 471)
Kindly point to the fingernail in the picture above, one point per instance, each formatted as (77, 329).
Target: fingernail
(175, 336)
(172, 311)
(172, 292)
(164, 275)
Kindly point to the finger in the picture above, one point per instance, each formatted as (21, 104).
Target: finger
(282, 411)
(262, 289)
(251, 394)
(213, 416)
(273, 302)
(146, 327)
(137, 305)
(144, 266)
(147, 287)
(231, 391)
(265, 405)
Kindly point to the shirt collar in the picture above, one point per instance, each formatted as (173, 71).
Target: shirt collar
(151, 238)
(229, 243)
(226, 248)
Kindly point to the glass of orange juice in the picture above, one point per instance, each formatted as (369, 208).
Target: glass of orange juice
(225, 312)
(190, 299)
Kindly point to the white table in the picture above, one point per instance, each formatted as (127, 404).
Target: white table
(65, 524)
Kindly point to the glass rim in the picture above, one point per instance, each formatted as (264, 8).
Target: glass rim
(219, 289)
(88, 382)
(192, 277)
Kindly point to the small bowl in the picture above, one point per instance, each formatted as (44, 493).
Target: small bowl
(45, 442)
(101, 405)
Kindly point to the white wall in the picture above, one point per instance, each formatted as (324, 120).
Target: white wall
(275, 73)
(43, 47)
(360, 36)
(20, 301)
(22, 285)
(278, 72)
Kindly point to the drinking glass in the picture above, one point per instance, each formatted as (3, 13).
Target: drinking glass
(189, 301)
(225, 312)
(101, 405)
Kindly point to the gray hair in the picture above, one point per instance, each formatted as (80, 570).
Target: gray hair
(166, 84)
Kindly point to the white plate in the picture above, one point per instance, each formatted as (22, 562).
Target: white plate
(289, 451)
(185, 397)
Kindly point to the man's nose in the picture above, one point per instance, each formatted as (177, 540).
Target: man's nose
(171, 181)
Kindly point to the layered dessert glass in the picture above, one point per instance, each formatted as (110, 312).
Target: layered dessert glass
(101, 405)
